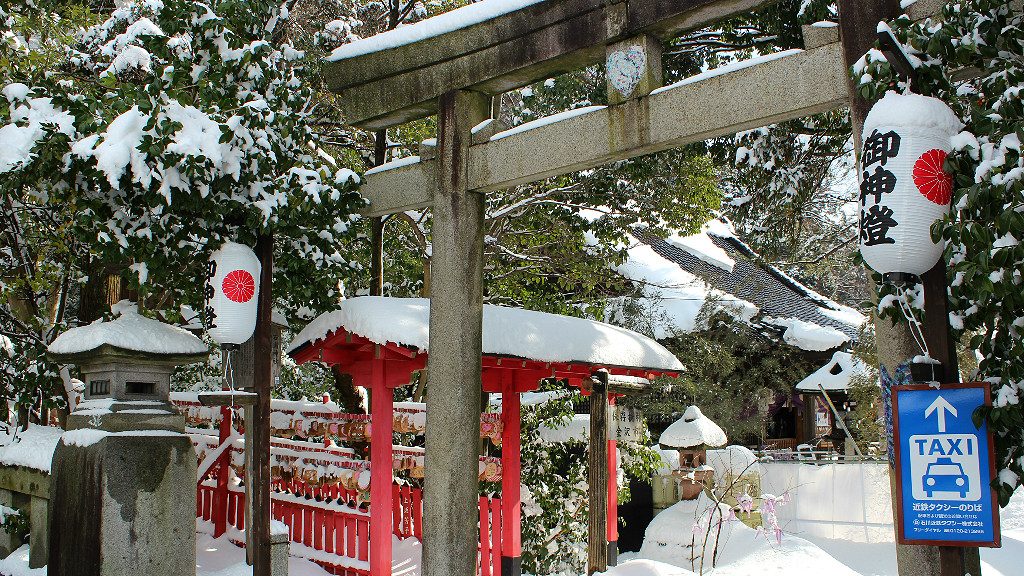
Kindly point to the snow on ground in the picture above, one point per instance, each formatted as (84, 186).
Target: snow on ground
(219, 557)
(741, 551)
(31, 448)
(506, 331)
(17, 564)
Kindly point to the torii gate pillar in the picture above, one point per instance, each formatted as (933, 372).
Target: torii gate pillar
(450, 535)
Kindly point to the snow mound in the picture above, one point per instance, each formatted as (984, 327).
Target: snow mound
(688, 530)
(506, 332)
(835, 375)
(646, 568)
(129, 331)
(692, 430)
(808, 336)
(733, 461)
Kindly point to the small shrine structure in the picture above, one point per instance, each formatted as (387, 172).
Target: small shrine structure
(382, 341)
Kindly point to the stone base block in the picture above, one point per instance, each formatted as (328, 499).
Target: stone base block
(123, 504)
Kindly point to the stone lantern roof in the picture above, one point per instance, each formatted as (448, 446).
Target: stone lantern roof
(130, 335)
(693, 431)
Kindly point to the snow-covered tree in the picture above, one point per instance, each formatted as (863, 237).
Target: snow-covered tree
(971, 58)
(165, 129)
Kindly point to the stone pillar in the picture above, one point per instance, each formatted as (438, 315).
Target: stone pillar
(8, 543)
(279, 546)
(450, 536)
(39, 518)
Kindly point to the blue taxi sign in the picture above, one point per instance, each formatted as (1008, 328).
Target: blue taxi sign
(945, 465)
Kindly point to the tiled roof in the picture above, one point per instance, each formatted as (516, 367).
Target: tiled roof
(755, 281)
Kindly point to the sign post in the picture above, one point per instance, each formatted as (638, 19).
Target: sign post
(945, 465)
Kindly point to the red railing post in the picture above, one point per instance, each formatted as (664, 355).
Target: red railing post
(613, 502)
(381, 437)
(509, 534)
(485, 538)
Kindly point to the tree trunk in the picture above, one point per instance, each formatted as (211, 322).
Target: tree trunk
(347, 396)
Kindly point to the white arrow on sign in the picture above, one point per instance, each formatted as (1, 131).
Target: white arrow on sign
(940, 406)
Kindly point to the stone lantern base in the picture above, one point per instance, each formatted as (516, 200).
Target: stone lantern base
(123, 502)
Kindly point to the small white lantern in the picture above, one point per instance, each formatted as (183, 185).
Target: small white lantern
(904, 189)
(232, 286)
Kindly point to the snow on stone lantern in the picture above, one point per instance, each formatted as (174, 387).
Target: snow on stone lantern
(904, 188)
(692, 435)
(232, 286)
(123, 480)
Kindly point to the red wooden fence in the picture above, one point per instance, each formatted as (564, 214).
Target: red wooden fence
(326, 526)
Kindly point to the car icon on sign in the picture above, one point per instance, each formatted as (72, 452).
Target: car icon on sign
(944, 475)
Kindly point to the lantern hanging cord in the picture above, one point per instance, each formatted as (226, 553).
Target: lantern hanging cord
(915, 325)
(229, 373)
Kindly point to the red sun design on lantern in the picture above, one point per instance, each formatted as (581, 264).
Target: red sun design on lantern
(239, 286)
(929, 177)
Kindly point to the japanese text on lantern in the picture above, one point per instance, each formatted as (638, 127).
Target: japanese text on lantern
(208, 293)
(877, 220)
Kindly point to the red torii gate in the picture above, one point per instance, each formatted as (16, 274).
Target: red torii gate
(382, 366)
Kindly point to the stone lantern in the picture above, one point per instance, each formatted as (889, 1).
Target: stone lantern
(692, 435)
(123, 483)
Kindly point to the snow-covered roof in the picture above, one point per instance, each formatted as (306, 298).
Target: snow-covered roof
(129, 331)
(506, 332)
(678, 276)
(692, 430)
(834, 375)
(675, 296)
(809, 336)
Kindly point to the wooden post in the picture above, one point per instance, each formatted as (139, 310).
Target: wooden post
(381, 435)
(511, 472)
(259, 436)
(450, 535)
(597, 532)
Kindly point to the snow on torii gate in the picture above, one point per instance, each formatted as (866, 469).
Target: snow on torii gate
(452, 64)
(381, 341)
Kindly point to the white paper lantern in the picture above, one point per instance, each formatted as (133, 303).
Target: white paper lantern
(232, 287)
(904, 189)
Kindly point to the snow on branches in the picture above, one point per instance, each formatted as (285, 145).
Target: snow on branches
(175, 125)
(970, 58)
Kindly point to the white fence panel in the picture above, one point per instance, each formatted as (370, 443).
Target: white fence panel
(838, 501)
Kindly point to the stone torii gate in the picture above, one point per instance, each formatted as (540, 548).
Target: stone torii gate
(455, 72)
